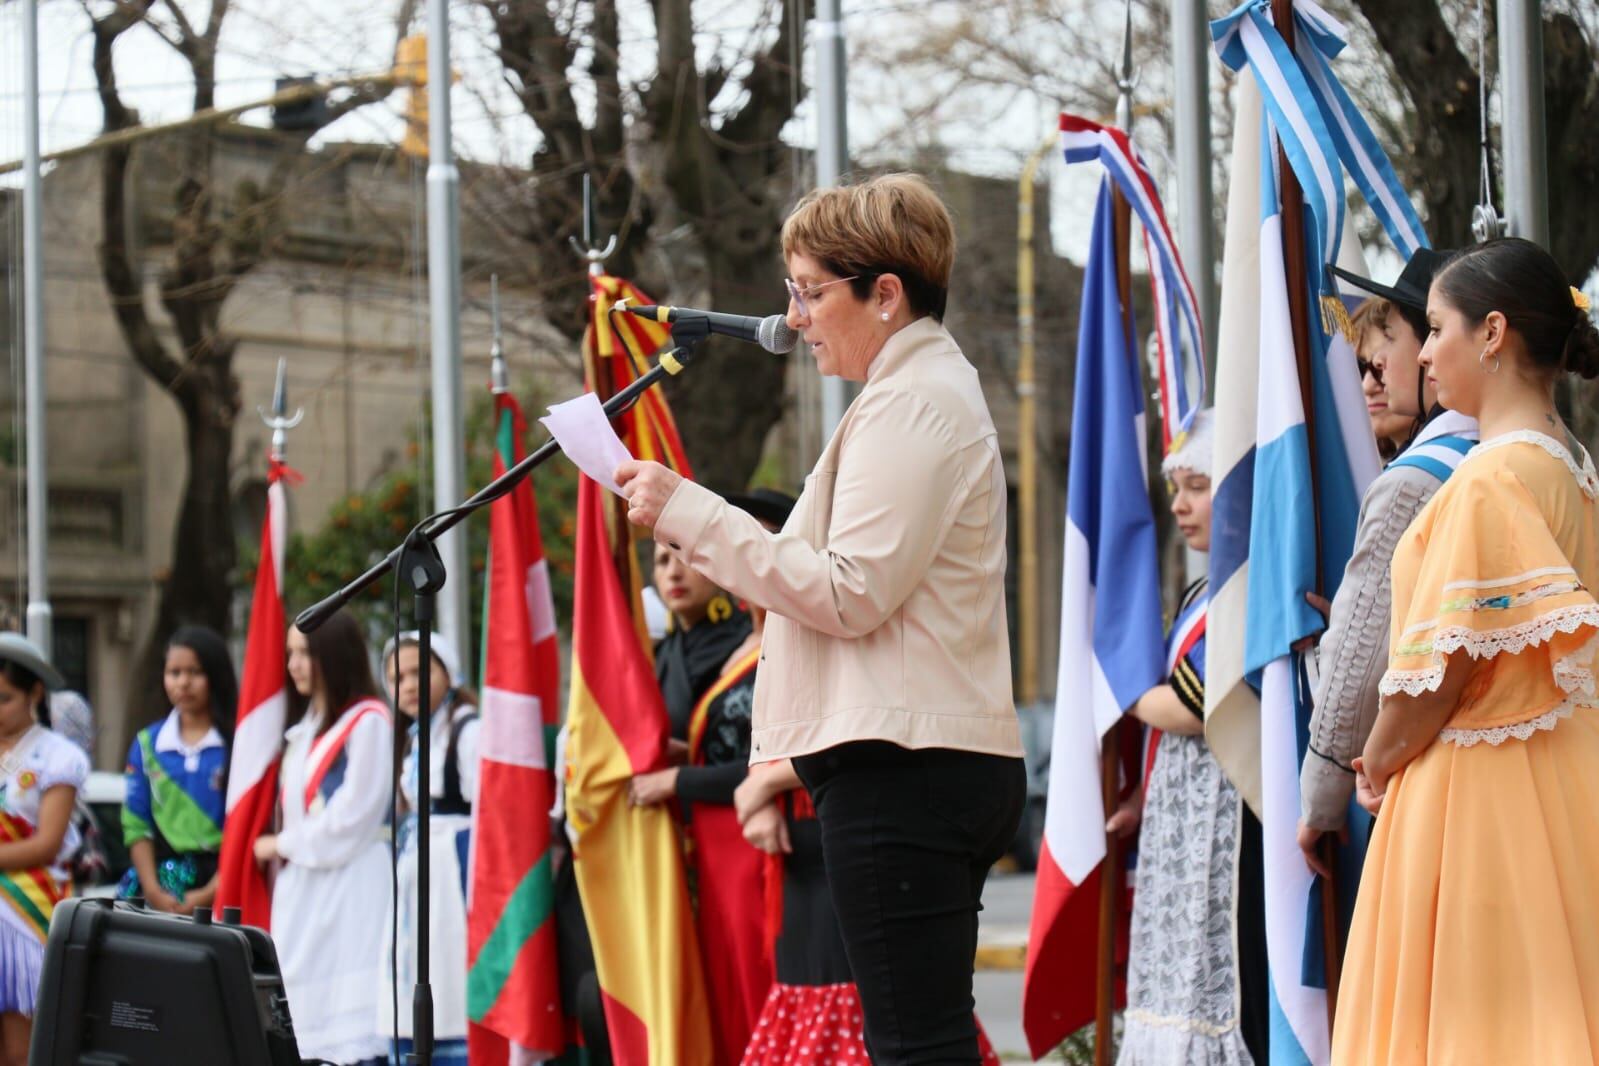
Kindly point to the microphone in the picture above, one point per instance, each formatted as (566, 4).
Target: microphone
(772, 332)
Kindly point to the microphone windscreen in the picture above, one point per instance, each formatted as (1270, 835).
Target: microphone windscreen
(776, 335)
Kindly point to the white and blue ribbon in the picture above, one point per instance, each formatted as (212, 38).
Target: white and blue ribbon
(1318, 38)
(1178, 329)
(1320, 128)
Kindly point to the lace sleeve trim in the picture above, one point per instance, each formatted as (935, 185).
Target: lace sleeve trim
(1569, 672)
(1497, 735)
(1473, 604)
(1584, 473)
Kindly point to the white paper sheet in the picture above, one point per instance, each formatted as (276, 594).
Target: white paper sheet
(580, 427)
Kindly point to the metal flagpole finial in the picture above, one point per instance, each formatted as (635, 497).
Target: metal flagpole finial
(1126, 77)
(499, 380)
(585, 248)
(279, 421)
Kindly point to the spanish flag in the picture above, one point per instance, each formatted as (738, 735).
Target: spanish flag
(617, 351)
(628, 860)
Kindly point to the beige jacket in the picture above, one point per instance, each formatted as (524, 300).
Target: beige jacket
(887, 586)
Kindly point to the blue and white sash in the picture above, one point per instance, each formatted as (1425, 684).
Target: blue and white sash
(1442, 445)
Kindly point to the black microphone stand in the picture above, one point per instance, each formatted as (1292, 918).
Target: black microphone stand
(420, 566)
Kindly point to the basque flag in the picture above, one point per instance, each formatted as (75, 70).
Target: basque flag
(1110, 653)
(513, 992)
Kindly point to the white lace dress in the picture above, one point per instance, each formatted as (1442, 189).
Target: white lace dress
(1182, 980)
(1183, 1002)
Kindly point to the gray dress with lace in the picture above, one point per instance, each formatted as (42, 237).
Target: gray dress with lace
(1183, 1002)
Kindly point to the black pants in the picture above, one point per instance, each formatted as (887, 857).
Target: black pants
(908, 838)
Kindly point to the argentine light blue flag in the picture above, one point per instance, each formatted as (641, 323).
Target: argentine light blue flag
(1273, 518)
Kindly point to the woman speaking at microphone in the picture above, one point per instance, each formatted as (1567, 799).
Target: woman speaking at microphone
(885, 669)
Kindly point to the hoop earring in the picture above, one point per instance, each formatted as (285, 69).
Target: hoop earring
(720, 609)
(1482, 361)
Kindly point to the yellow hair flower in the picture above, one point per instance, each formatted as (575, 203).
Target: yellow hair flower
(1580, 298)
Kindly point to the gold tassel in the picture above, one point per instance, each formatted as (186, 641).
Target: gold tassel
(1335, 316)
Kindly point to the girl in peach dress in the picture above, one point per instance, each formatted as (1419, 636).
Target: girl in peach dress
(1476, 931)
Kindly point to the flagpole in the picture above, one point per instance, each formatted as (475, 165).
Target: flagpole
(599, 371)
(280, 421)
(1110, 880)
(1293, 223)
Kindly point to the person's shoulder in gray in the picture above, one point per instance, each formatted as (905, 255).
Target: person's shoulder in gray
(1403, 406)
(1354, 649)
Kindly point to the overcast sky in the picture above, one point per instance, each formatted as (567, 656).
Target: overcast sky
(266, 39)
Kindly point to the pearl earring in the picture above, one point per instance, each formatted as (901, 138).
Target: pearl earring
(884, 316)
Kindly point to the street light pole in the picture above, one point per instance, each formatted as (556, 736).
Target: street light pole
(1522, 119)
(832, 156)
(1196, 232)
(38, 609)
(444, 303)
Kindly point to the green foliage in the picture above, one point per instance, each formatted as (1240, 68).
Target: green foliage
(364, 526)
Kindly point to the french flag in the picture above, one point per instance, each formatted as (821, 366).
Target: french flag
(1110, 652)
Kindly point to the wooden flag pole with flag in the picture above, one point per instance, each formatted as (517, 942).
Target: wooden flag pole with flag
(1294, 453)
(1110, 543)
(1110, 761)
(263, 694)
(1294, 248)
(513, 991)
(628, 860)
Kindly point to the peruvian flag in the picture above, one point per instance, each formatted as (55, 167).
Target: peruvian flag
(513, 998)
(1110, 653)
(258, 736)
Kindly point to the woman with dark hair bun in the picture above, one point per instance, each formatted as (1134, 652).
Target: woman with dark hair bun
(177, 778)
(1476, 931)
(330, 904)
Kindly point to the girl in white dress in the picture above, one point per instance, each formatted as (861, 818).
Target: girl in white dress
(452, 782)
(40, 774)
(331, 901)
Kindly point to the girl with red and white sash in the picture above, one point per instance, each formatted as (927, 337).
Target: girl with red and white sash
(330, 904)
(40, 774)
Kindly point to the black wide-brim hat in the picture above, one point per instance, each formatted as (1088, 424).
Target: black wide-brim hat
(768, 505)
(1410, 289)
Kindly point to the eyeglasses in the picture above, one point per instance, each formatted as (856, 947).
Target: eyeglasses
(798, 294)
(1368, 367)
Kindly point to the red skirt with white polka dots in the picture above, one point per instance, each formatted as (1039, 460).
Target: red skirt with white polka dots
(818, 1025)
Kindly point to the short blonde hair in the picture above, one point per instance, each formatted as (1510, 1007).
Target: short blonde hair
(890, 224)
(1371, 315)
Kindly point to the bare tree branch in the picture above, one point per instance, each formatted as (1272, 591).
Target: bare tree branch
(213, 26)
(538, 54)
(186, 38)
(770, 82)
(122, 279)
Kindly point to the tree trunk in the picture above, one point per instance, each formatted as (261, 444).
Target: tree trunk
(197, 587)
(733, 395)
(675, 171)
